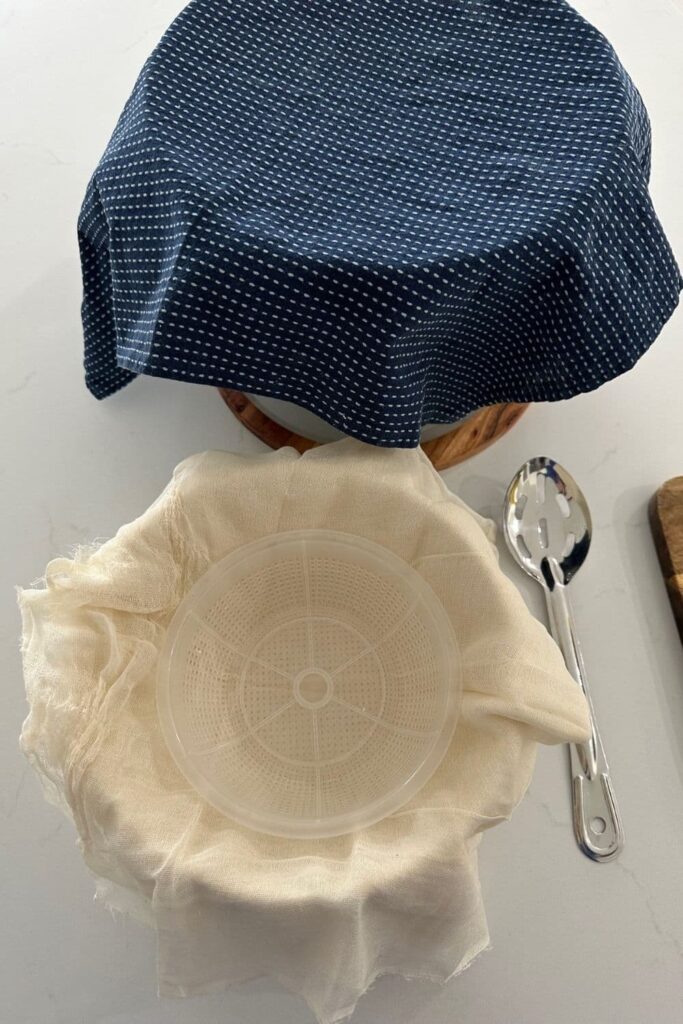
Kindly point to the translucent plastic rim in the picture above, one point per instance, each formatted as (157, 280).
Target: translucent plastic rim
(211, 586)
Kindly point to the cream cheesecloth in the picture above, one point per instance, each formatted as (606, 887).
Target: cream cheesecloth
(324, 916)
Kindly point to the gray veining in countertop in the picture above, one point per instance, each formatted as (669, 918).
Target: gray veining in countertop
(572, 941)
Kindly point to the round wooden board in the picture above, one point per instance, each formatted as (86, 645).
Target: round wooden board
(468, 438)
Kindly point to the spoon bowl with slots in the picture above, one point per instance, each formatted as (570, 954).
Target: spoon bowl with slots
(547, 523)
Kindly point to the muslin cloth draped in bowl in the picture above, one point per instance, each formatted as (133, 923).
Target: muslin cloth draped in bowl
(325, 917)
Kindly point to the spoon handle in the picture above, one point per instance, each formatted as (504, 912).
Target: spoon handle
(597, 825)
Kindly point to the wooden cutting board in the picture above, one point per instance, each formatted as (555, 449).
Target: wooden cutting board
(666, 519)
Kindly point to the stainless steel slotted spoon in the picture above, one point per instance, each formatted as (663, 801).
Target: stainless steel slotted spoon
(547, 527)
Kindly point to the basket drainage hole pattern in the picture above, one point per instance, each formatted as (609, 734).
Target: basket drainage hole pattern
(309, 684)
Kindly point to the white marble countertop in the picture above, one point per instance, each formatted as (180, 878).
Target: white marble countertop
(572, 941)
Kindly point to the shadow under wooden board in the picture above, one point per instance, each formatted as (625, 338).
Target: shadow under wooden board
(466, 439)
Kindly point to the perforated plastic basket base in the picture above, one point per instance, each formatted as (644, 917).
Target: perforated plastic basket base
(309, 684)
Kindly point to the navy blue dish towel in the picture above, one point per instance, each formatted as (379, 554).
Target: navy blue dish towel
(391, 212)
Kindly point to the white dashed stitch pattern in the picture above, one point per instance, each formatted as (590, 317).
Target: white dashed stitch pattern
(391, 212)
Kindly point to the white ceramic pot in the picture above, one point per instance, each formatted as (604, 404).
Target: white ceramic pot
(301, 421)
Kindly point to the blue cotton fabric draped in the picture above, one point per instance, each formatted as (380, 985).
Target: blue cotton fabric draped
(391, 212)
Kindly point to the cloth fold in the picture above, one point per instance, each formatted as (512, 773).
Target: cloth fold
(326, 916)
(390, 214)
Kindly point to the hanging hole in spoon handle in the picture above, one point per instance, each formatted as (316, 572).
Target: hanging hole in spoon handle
(597, 825)
(596, 820)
